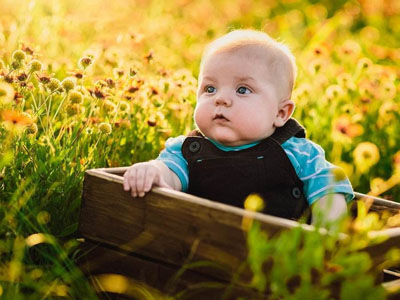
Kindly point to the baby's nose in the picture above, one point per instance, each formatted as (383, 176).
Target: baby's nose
(223, 100)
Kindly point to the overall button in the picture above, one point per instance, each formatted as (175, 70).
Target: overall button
(194, 147)
(296, 192)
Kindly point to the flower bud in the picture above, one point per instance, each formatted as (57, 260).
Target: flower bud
(73, 109)
(16, 64)
(35, 66)
(68, 83)
(18, 55)
(85, 62)
(105, 128)
(22, 77)
(54, 84)
(124, 106)
(109, 106)
(75, 97)
(32, 129)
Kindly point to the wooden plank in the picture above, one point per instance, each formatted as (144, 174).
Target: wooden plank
(175, 227)
(167, 225)
(100, 263)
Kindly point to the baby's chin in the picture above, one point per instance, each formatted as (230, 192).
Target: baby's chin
(229, 141)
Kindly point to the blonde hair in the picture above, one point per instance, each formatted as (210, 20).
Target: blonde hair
(279, 58)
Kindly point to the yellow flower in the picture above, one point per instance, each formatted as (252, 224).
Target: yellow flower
(254, 202)
(396, 162)
(6, 93)
(346, 167)
(14, 120)
(387, 112)
(344, 127)
(364, 63)
(376, 185)
(105, 128)
(350, 47)
(389, 90)
(334, 91)
(365, 156)
(338, 174)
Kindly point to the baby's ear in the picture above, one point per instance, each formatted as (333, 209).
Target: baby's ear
(285, 111)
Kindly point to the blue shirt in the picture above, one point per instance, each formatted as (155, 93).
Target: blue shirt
(307, 158)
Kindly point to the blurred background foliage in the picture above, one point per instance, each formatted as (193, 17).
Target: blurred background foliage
(98, 83)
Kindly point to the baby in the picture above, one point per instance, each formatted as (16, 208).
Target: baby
(246, 140)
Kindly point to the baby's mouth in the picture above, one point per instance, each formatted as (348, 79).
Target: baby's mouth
(220, 117)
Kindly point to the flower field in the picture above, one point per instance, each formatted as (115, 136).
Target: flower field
(87, 84)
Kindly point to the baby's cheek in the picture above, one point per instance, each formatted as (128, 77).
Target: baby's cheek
(199, 116)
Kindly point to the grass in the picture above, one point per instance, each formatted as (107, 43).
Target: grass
(99, 84)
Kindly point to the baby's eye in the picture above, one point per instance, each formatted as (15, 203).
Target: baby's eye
(243, 90)
(210, 89)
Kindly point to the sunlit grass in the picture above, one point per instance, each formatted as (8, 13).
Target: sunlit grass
(86, 84)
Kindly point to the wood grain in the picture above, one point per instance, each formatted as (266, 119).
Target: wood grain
(177, 228)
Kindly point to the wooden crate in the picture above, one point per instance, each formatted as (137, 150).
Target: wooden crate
(151, 238)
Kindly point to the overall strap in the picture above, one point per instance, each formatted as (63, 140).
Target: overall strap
(291, 128)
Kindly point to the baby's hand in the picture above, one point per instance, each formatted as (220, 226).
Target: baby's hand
(141, 177)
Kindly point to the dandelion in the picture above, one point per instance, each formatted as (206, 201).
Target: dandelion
(6, 93)
(85, 62)
(364, 63)
(389, 90)
(2, 65)
(68, 83)
(366, 154)
(370, 33)
(105, 128)
(18, 55)
(345, 80)
(350, 48)
(35, 66)
(315, 66)
(334, 91)
(54, 85)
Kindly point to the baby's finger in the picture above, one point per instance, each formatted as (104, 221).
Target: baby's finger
(126, 181)
(140, 176)
(150, 176)
(132, 181)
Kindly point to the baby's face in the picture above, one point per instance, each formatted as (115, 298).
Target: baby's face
(236, 101)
